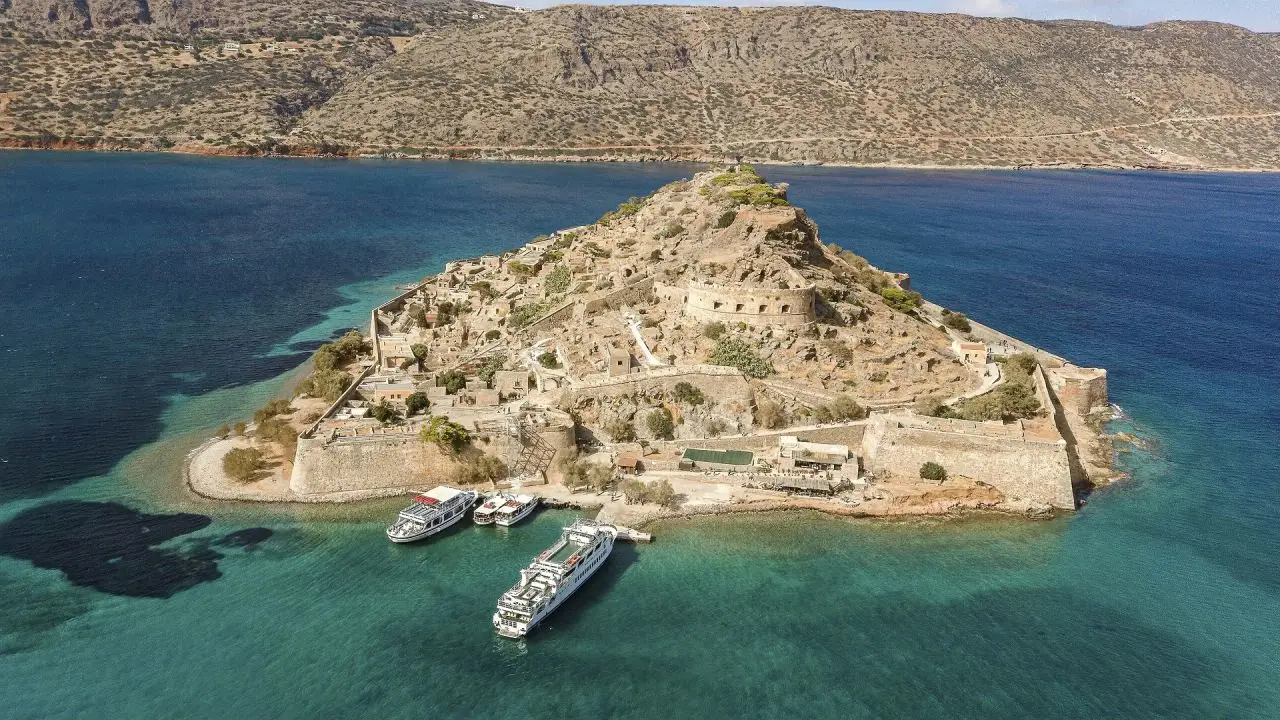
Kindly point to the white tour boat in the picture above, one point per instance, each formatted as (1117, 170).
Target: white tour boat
(553, 576)
(515, 509)
(484, 513)
(430, 513)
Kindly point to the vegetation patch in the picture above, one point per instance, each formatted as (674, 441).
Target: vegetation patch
(734, 352)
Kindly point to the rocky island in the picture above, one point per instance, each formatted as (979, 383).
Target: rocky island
(698, 350)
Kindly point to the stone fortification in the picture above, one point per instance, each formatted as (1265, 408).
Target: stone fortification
(1080, 390)
(366, 463)
(751, 305)
(1022, 467)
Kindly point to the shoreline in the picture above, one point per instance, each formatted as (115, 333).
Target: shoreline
(567, 158)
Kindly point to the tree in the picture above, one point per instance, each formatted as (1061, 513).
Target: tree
(661, 493)
(452, 382)
(385, 414)
(415, 402)
(481, 468)
(686, 393)
(933, 471)
(956, 321)
(620, 431)
(450, 437)
(420, 352)
(769, 414)
(634, 491)
(490, 368)
(846, 408)
(549, 359)
(242, 464)
(660, 423)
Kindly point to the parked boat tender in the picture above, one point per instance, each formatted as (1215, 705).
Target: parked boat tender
(515, 509)
(553, 576)
(430, 513)
(484, 514)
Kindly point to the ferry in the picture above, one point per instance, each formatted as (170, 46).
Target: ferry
(553, 576)
(431, 512)
(487, 511)
(515, 509)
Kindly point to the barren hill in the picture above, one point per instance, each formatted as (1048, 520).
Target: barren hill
(780, 84)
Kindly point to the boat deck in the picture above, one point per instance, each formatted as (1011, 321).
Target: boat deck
(564, 552)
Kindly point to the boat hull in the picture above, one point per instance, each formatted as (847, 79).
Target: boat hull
(428, 531)
(524, 513)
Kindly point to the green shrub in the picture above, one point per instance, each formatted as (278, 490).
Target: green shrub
(901, 300)
(933, 471)
(521, 270)
(417, 402)
(525, 314)
(492, 334)
(956, 321)
(626, 209)
(549, 359)
(452, 382)
(770, 414)
(326, 384)
(661, 425)
(491, 366)
(450, 437)
(621, 431)
(635, 491)
(671, 230)
(385, 414)
(713, 330)
(481, 468)
(558, 280)
(242, 464)
(734, 352)
(686, 393)
(273, 408)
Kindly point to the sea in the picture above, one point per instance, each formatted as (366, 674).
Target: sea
(145, 300)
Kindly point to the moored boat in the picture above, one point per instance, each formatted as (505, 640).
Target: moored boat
(516, 508)
(553, 576)
(431, 512)
(485, 513)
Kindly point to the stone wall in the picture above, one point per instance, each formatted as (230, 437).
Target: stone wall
(750, 305)
(1080, 390)
(560, 315)
(715, 381)
(371, 463)
(632, 294)
(1023, 470)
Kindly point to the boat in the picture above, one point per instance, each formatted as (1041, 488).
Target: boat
(515, 509)
(553, 576)
(431, 512)
(484, 514)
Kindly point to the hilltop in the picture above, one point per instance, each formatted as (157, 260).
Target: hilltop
(704, 328)
(787, 84)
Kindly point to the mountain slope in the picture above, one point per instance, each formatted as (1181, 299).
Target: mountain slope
(783, 84)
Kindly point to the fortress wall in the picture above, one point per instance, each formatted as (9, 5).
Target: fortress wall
(715, 381)
(1042, 391)
(630, 295)
(1080, 389)
(395, 461)
(753, 306)
(851, 435)
(1038, 472)
(560, 315)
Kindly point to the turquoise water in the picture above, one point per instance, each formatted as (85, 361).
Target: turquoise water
(1159, 599)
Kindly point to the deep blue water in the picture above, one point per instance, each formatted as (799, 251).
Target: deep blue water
(147, 299)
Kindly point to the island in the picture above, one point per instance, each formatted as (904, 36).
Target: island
(699, 350)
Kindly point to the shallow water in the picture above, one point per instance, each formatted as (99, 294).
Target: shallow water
(149, 299)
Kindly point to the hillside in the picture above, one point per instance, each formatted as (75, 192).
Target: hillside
(780, 84)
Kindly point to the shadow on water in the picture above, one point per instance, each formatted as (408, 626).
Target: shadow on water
(595, 589)
(114, 549)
